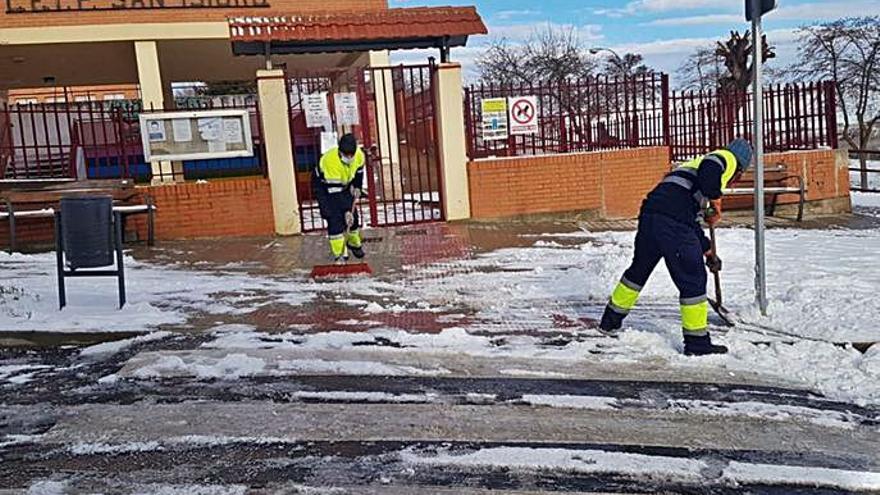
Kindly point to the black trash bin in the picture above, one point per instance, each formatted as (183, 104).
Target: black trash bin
(88, 235)
(87, 231)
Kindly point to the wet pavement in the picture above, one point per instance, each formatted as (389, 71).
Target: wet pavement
(383, 415)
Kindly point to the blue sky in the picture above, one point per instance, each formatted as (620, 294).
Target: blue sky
(665, 31)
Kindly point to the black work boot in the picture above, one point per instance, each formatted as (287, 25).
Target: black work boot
(357, 252)
(701, 345)
(611, 322)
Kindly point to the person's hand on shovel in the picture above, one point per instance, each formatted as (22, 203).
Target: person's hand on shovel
(713, 213)
(713, 262)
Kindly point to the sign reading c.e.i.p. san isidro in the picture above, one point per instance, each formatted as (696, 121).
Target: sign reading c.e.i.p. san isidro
(50, 6)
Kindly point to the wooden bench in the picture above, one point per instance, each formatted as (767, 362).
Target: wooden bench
(777, 181)
(40, 199)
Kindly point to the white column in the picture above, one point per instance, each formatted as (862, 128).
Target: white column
(451, 133)
(272, 92)
(153, 97)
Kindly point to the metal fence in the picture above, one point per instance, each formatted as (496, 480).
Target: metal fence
(796, 117)
(576, 115)
(611, 113)
(97, 140)
(864, 170)
(396, 127)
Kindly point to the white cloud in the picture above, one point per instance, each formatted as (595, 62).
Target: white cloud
(521, 32)
(655, 6)
(509, 14)
(825, 10)
(802, 12)
(680, 46)
(698, 20)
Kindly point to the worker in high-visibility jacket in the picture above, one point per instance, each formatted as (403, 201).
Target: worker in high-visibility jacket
(669, 228)
(337, 182)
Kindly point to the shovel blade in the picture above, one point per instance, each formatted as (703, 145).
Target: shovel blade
(324, 271)
(723, 313)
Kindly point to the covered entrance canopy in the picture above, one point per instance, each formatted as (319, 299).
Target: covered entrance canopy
(391, 29)
(396, 107)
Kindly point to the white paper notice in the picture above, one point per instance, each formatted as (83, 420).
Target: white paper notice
(317, 110)
(182, 130)
(329, 140)
(232, 131)
(156, 130)
(210, 128)
(346, 108)
(216, 146)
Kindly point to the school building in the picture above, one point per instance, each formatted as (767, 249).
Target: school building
(75, 75)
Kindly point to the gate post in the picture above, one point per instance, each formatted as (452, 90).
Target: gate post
(274, 114)
(452, 142)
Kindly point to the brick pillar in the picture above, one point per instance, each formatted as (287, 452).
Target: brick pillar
(272, 92)
(450, 131)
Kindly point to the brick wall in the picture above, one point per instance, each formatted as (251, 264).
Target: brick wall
(220, 208)
(612, 183)
(824, 171)
(73, 18)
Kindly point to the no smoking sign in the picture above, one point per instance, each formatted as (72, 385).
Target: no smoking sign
(523, 115)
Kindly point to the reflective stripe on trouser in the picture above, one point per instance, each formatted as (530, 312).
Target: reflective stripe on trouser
(354, 239)
(337, 245)
(695, 315)
(624, 297)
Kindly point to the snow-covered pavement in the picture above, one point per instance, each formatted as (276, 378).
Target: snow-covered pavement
(467, 372)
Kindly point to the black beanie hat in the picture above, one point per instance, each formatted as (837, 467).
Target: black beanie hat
(348, 144)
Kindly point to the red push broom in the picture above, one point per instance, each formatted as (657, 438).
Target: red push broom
(343, 270)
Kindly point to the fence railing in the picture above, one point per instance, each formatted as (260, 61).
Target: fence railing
(99, 140)
(576, 115)
(796, 117)
(864, 170)
(608, 113)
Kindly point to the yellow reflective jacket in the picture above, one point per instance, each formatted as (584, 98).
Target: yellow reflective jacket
(333, 175)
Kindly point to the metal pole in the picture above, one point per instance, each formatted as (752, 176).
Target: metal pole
(757, 58)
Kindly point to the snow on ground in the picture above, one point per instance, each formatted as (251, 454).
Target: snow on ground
(839, 373)
(156, 296)
(666, 468)
(18, 374)
(112, 347)
(867, 200)
(821, 283)
(855, 177)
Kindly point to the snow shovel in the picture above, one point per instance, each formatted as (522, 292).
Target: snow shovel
(322, 271)
(717, 305)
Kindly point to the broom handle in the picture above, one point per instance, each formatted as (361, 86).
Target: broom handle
(717, 275)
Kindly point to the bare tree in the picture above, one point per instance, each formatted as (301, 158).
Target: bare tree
(629, 65)
(548, 54)
(737, 53)
(847, 51)
(727, 66)
(702, 70)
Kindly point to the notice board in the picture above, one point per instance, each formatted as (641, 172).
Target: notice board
(196, 135)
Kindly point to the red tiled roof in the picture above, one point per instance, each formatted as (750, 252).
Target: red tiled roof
(390, 24)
